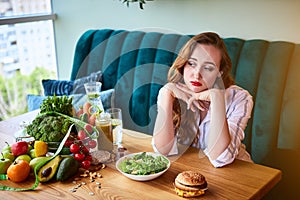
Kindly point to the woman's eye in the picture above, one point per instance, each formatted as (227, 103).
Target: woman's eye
(209, 68)
(191, 63)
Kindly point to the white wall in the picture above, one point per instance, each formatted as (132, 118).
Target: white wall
(247, 19)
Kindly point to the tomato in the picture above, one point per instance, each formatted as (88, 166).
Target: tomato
(74, 148)
(68, 143)
(85, 149)
(79, 156)
(88, 157)
(86, 164)
(92, 144)
(89, 128)
(81, 135)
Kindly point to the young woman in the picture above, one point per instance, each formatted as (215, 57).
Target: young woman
(201, 106)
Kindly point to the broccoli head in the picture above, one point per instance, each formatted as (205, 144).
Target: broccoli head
(48, 128)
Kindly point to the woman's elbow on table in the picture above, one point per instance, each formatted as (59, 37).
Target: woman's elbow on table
(168, 149)
(222, 160)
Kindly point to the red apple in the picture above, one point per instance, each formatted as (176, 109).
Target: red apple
(19, 148)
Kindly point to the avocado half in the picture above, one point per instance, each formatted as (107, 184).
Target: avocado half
(48, 171)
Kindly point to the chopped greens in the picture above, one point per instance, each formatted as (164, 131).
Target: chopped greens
(143, 164)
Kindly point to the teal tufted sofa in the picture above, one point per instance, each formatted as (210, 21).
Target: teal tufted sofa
(136, 63)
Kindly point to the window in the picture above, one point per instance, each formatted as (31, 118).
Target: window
(26, 46)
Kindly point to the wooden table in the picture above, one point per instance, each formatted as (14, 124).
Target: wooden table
(239, 180)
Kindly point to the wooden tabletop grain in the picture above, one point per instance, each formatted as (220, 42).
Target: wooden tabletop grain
(239, 180)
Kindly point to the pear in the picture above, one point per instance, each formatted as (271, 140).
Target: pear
(6, 148)
(35, 161)
(24, 157)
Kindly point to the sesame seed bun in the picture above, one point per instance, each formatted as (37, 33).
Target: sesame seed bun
(190, 184)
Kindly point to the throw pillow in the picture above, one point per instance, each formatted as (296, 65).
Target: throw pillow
(57, 87)
(65, 87)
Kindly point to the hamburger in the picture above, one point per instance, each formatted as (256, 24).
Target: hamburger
(190, 184)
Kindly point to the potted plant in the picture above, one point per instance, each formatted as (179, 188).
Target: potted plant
(141, 2)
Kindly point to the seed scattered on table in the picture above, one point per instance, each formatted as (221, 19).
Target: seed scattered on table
(91, 194)
(84, 175)
(93, 176)
(73, 190)
(78, 186)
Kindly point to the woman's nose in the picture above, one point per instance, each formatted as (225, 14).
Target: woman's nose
(197, 73)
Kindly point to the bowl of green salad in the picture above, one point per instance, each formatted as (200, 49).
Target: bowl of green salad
(143, 166)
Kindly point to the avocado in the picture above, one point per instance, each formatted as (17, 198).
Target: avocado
(48, 171)
(67, 168)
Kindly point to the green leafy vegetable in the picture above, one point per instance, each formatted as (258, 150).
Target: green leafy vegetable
(143, 164)
(61, 104)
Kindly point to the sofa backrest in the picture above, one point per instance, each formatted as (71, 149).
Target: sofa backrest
(136, 63)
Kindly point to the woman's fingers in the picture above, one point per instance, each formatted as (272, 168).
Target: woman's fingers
(184, 88)
(177, 92)
(194, 100)
(193, 103)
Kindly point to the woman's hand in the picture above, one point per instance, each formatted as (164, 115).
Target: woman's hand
(199, 99)
(177, 92)
(182, 94)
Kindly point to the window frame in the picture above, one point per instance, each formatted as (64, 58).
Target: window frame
(27, 18)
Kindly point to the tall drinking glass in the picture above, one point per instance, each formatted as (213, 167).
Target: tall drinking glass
(117, 125)
(93, 90)
(105, 138)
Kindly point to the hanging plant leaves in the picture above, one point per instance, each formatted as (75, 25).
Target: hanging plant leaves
(141, 2)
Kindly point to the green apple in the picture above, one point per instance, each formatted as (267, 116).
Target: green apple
(7, 154)
(32, 153)
(4, 164)
(24, 157)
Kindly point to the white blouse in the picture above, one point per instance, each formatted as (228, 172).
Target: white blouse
(239, 106)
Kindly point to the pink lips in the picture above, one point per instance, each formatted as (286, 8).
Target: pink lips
(196, 83)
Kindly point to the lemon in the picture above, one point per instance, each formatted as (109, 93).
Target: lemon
(116, 122)
(41, 148)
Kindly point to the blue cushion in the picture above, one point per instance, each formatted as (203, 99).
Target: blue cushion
(57, 87)
(34, 101)
(66, 87)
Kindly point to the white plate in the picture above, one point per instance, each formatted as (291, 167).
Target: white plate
(142, 177)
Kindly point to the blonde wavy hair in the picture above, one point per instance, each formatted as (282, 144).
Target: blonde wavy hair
(175, 73)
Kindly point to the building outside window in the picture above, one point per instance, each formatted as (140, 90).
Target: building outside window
(27, 52)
